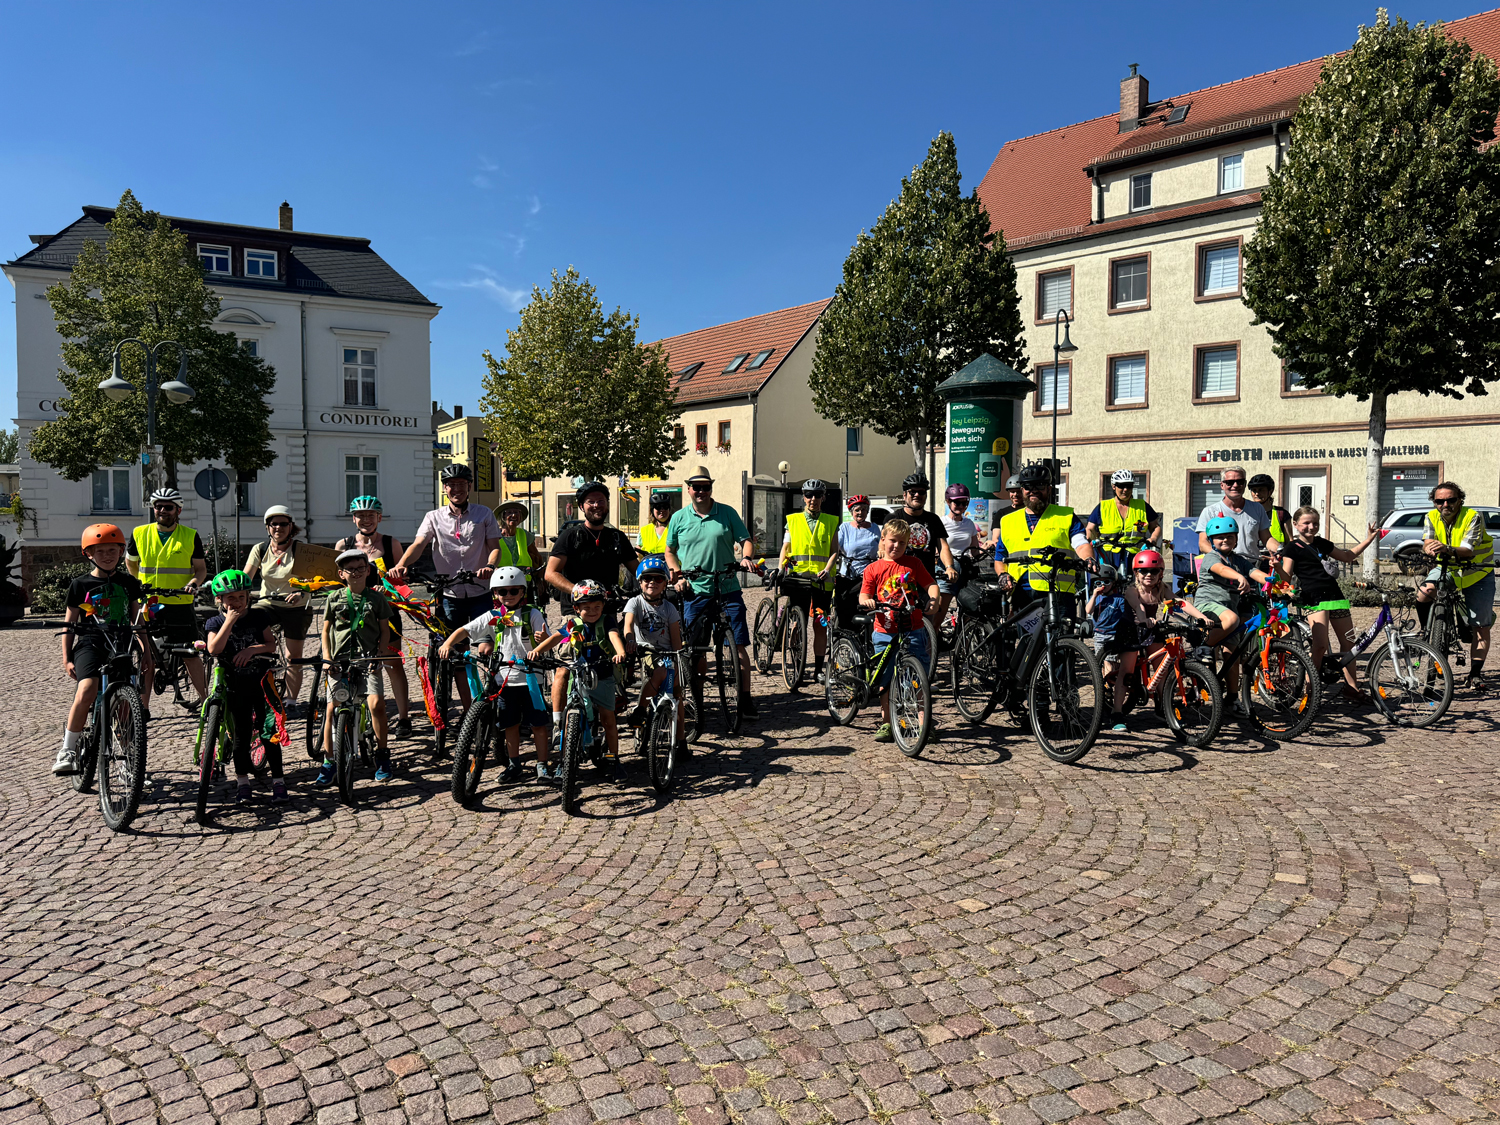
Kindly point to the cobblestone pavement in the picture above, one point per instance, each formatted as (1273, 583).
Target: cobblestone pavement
(814, 930)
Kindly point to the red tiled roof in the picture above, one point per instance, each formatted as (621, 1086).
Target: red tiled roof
(1036, 190)
(715, 347)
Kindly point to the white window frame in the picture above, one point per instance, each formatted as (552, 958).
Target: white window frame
(1044, 385)
(1114, 269)
(275, 273)
(1114, 387)
(244, 495)
(1203, 258)
(216, 252)
(1042, 313)
(359, 348)
(1200, 375)
(113, 474)
(367, 476)
(1238, 165)
(1140, 179)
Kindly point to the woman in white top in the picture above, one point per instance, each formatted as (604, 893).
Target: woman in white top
(963, 538)
(273, 560)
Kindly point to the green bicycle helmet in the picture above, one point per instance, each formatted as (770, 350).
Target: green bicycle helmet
(230, 582)
(365, 504)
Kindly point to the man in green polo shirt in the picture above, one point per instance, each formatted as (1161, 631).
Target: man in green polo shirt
(707, 535)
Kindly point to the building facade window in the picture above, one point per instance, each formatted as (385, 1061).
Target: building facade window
(1218, 373)
(1232, 173)
(1127, 380)
(854, 440)
(361, 478)
(260, 263)
(700, 437)
(723, 437)
(112, 488)
(359, 376)
(250, 347)
(1219, 270)
(215, 259)
(1130, 283)
(1141, 491)
(1292, 383)
(1140, 191)
(679, 437)
(1045, 383)
(1054, 294)
(244, 498)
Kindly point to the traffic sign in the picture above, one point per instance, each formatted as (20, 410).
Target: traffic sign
(211, 484)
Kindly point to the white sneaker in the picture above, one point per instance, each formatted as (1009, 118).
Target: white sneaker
(67, 762)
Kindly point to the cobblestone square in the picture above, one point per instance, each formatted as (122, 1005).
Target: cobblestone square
(814, 929)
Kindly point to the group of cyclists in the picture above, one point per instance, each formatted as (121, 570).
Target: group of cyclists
(637, 605)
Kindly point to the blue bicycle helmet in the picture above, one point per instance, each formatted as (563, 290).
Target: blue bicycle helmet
(655, 564)
(1221, 525)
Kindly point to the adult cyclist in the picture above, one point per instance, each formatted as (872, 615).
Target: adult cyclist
(929, 538)
(516, 548)
(1452, 525)
(652, 537)
(810, 548)
(169, 556)
(1132, 523)
(382, 551)
(1039, 523)
(859, 546)
(963, 539)
(591, 550)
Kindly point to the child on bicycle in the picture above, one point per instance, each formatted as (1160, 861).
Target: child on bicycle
(586, 634)
(511, 624)
(245, 633)
(1223, 576)
(656, 627)
(105, 594)
(355, 621)
(900, 578)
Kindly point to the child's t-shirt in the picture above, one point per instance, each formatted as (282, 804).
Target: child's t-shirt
(591, 641)
(248, 630)
(1217, 589)
(1110, 612)
(652, 623)
(358, 622)
(514, 639)
(886, 579)
(103, 599)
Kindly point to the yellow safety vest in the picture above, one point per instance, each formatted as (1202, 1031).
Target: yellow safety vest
(1280, 531)
(1052, 530)
(653, 539)
(522, 557)
(812, 547)
(168, 565)
(1484, 547)
(1132, 534)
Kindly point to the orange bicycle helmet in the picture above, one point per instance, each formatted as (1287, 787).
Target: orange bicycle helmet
(97, 533)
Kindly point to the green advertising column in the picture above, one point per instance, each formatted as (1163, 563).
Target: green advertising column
(984, 428)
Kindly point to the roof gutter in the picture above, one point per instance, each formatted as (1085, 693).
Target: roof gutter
(1188, 142)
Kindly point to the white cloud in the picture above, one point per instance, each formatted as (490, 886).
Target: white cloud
(536, 205)
(487, 282)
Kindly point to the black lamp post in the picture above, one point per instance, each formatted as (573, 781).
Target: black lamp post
(118, 389)
(1058, 348)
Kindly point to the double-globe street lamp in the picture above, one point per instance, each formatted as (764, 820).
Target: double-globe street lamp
(118, 389)
(1059, 347)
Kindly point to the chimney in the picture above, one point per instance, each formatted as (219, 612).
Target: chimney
(285, 214)
(458, 412)
(434, 406)
(1134, 97)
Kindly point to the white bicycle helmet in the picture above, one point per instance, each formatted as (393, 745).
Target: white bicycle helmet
(277, 510)
(507, 577)
(167, 496)
(1122, 476)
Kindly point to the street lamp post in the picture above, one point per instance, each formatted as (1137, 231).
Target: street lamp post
(118, 389)
(1058, 348)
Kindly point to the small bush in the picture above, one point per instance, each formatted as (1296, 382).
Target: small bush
(49, 593)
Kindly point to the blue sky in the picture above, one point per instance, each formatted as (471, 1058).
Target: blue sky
(699, 162)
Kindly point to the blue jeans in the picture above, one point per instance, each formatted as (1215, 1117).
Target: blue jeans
(916, 645)
(734, 609)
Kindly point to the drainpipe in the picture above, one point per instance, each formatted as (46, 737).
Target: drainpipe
(306, 444)
(1098, 196)
(1276, 136)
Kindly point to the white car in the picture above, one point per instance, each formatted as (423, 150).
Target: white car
(1401, 533)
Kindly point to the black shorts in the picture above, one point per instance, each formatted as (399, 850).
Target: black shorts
(293, 621)
(807, 598)
(177, 624)
(89, 655)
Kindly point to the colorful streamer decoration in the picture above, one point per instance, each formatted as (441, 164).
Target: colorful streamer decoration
(505, 618)
(429, 698)
(152, 608)
(95, 604)
(315, 585)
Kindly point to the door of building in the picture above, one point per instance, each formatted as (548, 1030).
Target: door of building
(1304, 488)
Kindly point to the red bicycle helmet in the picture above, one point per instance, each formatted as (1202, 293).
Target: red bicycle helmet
(857, 498)
(956, 492)
(97, 533)
(1147, 560)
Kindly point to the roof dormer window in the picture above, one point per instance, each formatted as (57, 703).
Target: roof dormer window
(688, 372)
(735, 363)
(760, 360)
(260, 263)
(214, 259)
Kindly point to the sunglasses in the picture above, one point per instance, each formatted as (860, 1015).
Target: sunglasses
(1149, 570)
(1448, 500)
(702, 487)
(1125, 486)
(502, 591)
(652, 578)
(165, 505)
(280, 523)
(1233, 484)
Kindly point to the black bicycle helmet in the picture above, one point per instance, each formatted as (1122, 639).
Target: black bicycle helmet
(591, 486)
(1034, 474)
(1260, 482)
(917, 482)
(455, 472)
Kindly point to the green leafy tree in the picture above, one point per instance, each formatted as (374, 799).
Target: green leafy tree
(576, 394)
(145, 282)
(10, 446)
(1376, 260)
(929, 288)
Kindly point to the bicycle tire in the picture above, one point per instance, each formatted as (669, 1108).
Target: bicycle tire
(794, 648)
(973, 671)
(88, 757)
(208, 756)
(843, 683)
(572, 755)
(344, 751)
(932, 646)
(1399, 704)
(661, 745)
(692, 704)
(1195, 721)
(1438, 633)
(1282, 699)
(1079, 693)
(726, 652)
(763, 636)
(122, 758)
(317, 707)
(911, 705)
(470, 751)
(442, 693)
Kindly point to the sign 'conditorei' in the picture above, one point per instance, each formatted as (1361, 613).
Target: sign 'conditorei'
(379, 421)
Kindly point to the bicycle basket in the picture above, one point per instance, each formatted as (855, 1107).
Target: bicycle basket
(981, 600)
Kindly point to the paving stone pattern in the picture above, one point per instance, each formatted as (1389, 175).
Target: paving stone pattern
(814, 930)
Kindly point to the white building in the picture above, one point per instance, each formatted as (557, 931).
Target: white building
(351, 408)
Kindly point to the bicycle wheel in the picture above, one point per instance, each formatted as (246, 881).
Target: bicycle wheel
(208, 755)
(692, 705)
(345, 754)
(763, 636)
(973, 671)
(471, 750)
(1414, 688)
(1282, 698)
(122, 757)
(88, 757)
(843, 685)
(442, 692)
(794, 648)
(661, 744)
(727, 673)
(317, 708)
(1066, 701)
(1439, 635)
(932, 645)
(572, 755)
(911, 705)
(1194, 711)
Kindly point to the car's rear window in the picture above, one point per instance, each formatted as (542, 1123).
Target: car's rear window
(1410, 519)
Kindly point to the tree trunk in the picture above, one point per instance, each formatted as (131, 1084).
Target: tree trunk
(1375, 458)
(918, 448)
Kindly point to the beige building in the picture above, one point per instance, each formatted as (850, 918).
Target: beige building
(467, 445)
(1134, 224)
(746, 409)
